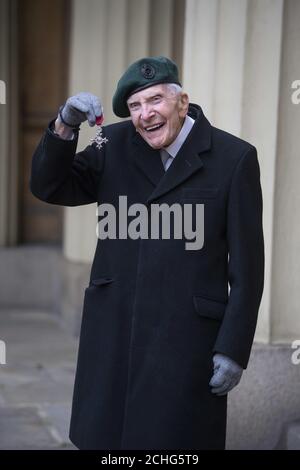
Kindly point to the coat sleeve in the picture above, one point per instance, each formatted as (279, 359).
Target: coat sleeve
(246, 260)
(61, 176)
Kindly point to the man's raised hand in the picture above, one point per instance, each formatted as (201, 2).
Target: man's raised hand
(79, 108)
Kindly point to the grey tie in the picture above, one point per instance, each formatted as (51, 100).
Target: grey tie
(166, 158)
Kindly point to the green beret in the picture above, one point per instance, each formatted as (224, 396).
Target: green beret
(142, 74)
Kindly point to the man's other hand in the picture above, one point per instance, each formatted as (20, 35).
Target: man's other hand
(227, 374)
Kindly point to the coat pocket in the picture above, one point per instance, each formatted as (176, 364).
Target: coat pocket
(209, 308)
(101, 281)
(196, 193)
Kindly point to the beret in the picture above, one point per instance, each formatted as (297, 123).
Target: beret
(142, 74)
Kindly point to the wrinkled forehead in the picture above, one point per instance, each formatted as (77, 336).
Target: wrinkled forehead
(147, 93)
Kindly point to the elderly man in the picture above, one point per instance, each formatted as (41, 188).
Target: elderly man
(163, 338)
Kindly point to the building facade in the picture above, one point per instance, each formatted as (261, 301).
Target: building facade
(239, 60)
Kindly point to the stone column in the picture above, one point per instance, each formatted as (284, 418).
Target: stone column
(8, 125)
(231, 66)
(106, 36)
(260, 120)
(94, 59)
(199, 52)
(285, 325)
(3, 120)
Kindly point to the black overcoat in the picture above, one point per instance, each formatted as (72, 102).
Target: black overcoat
(154, 312)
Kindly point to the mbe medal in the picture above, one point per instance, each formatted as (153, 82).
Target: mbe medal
(99, 140)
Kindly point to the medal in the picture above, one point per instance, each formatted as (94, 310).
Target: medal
(99, 140)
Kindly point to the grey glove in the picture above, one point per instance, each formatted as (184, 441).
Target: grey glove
(79, 108)
(227, 374)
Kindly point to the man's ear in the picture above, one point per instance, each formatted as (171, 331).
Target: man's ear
(183, 104)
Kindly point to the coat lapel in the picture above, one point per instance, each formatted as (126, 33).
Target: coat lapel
(148, 160)
(186, 163)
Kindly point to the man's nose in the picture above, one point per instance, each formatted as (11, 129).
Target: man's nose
(147, 112)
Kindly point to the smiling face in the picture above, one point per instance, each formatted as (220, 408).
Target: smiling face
(158, 113)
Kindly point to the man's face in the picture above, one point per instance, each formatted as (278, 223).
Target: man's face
(158, 114)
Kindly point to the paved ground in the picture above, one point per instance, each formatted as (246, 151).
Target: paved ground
(36, 383)
(36, 388)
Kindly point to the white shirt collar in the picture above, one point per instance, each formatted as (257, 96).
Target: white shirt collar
(175, 146)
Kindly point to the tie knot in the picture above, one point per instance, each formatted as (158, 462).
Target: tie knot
(166, 158)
